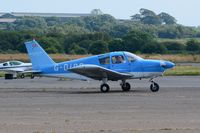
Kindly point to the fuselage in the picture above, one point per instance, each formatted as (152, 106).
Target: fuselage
(15, 66)
(128, 63)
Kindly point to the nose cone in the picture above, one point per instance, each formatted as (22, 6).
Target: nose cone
(167, 64)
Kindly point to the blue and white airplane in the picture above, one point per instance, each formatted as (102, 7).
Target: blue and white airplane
(112, 66)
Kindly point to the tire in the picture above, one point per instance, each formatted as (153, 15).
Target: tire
(126, 87)
(154, 87)
(22, 76)
(32, 76)
(8, 76)
(105, 88)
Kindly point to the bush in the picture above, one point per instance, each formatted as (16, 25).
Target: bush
(154, 48)
(174, 46)
(98, 47)
(193, 45)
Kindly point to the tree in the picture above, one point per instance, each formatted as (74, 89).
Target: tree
(98, 47)
(136, 18)
(26, 23)
(166, 18)
(115, 45)
(174, 45)
(76, 49)
(96, 12)
(51, 45)
(149, 17)
(154, 48)
(119, 30)
(135, 40)
(193, 45)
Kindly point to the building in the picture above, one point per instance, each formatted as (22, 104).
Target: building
(11, 17)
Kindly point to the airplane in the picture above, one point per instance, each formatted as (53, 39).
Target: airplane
(112, 66)
(13, 68)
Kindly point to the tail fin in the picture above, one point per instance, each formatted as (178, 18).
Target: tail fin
(39, 58)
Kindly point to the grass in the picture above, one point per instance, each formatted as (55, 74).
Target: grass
(184, 71)
(24, 57)
(2, 74)
(64, 57)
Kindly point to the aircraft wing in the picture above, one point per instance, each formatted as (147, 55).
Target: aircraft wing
(19, 70)
(98, 72)
(32, 71)
(12, 70)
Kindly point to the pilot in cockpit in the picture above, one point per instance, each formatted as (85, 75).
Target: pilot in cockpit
(119, 59)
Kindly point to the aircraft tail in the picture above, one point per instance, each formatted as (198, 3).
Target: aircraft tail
(39, 58)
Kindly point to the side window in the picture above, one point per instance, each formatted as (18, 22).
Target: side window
(15, 63)
(130, 58)
(117, 59)
(104, 61)
(11, 63)
(5, 64)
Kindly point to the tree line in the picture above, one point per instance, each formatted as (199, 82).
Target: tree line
(95, 43)
(100, 33)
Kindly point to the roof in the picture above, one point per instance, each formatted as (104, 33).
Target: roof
(7, 20)
(21, 14)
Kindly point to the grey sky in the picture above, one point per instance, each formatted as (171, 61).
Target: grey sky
(187, 12)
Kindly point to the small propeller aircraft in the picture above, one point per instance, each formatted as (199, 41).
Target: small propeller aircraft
(112, 66)
(13, 68)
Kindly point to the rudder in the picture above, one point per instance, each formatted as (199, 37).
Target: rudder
(39, 58)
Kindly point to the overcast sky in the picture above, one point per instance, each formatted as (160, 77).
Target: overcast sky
(187, 12)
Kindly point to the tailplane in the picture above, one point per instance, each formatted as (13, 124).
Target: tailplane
(39, 58)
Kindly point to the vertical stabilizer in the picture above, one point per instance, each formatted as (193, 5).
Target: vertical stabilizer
(39, 58)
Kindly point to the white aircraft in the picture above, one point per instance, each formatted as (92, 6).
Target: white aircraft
(13, 68)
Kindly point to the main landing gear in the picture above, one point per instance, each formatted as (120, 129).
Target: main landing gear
(106, 88)
(154, 87)
(125, 86)
(23, 76)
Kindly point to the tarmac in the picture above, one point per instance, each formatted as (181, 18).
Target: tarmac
(48, 105)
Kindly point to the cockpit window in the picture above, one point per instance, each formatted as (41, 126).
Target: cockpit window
(118, 59)
(131, 57)
(104, 60)
(5, 64)
(15, 63)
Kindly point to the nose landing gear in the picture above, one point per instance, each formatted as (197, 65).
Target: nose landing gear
(154, 87)
(104, 88)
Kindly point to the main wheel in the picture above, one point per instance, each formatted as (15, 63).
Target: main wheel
(126, 86)
(32, 76)
(105, 88)
(22, 76)
(154, 87)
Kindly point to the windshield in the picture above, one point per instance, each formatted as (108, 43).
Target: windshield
(132, 57)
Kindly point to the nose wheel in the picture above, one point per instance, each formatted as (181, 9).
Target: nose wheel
(154, 87)
(104, 88)
(22, 76)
